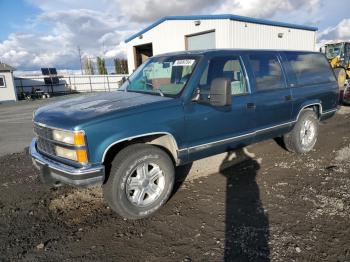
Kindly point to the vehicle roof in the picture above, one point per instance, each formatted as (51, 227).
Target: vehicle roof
(230, 50)
(219, 17)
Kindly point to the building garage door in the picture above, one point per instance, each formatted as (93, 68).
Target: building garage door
(201, 41)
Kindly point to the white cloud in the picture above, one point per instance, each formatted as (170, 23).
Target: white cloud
(94, 31)
(266, 8)
(150, 10)
(99, 27)
(339, 32)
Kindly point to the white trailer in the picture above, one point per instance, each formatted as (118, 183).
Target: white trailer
(7, 87)
(179, 33)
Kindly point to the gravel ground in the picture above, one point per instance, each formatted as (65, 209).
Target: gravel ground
(273, 206)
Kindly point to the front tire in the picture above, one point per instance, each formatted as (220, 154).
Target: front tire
(140, 182)
(303, 137)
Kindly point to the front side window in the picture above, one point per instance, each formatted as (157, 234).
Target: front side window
(2, 81)
(310, 68)
(224, 67)
(166, 75)
(267, 71)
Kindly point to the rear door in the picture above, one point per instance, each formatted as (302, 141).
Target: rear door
(273, 97)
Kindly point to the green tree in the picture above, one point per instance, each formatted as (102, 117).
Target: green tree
(88, 66)
(101, 67)
(121, 66)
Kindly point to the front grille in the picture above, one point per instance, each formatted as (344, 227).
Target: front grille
(44, 136)
(45, 146)
(43, 132)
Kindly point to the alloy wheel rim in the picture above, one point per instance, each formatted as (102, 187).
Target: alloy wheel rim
(307, 133)
(145, 184)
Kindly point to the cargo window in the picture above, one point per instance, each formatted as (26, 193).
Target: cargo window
(310, 68)
(267, 71)
(225, 67)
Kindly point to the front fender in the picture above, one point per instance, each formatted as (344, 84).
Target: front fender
(103, 136)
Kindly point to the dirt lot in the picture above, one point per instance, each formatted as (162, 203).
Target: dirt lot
(275, 205)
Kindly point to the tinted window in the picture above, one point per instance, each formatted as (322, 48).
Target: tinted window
(224, 67)
(2, 81)
(310, 68)
(267, 71)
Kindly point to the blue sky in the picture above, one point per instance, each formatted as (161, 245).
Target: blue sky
(37, 33)
(14, 15)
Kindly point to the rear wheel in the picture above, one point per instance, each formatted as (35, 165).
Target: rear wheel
(140, 182)
(303, 137)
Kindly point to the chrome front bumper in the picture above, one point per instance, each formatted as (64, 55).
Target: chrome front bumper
(53, 172)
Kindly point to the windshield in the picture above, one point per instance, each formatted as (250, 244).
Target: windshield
(165, 76)
(333, 50)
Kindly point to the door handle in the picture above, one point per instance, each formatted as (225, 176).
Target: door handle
(288, 98)
(251, 105)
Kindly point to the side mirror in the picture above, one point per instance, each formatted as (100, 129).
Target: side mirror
(123, 79)
(220, 92)
(197, 95)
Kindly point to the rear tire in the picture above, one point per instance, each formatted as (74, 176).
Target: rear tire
(340, 73)
(303, 137)
(140, 182)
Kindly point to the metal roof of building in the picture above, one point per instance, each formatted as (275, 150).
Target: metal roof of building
(223, 16)
(6, 68)
(230, 50)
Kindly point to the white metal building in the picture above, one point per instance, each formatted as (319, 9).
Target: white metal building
(7, 86)
(178, 33)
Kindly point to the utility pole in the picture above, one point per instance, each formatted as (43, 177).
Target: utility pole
(81, 66)
(103, 56)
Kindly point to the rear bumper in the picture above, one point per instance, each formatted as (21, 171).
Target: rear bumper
(53, 172)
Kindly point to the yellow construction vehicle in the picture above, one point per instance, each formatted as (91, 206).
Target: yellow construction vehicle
(338, 54)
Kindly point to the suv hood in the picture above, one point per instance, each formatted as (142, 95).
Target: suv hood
(72, 112)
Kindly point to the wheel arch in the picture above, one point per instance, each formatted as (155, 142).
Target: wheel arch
(315, 106)
(164, 140)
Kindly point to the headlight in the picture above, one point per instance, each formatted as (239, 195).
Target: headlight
(76, 138)
(79, 155)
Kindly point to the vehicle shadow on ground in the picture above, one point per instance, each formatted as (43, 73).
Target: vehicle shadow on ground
(247, 225)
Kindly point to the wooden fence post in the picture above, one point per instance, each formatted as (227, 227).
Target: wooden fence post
(70, 84)
(109, 89)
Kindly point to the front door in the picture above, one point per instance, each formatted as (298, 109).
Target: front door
(211, 130)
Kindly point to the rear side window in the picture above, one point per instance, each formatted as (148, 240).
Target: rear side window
(310, 68)
(267, 71)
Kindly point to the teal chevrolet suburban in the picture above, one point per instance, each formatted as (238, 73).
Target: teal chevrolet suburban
(177, 108)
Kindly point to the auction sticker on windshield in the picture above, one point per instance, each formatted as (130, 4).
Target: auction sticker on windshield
(185, 62)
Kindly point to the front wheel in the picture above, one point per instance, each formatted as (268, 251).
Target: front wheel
(140, 182)
(303, 137)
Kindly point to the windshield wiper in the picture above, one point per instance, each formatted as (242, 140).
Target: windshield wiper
(160, 92)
